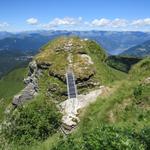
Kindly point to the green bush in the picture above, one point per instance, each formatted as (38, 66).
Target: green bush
(32, 122)
(141, 93)
(103, 138)
(145, 137)
(137, 92)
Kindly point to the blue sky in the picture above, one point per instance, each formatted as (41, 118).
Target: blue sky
(20, 15)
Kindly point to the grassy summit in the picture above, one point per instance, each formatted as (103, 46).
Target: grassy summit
(56, 54)
(87, 57)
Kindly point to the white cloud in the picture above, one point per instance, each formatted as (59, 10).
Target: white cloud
(117, 23)
(100, 22)
(103, 22)
(32, 21)
(67, 21)
(4, 24)
(70, 23)
(141, 22)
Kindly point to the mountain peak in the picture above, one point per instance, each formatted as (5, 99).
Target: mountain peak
(59, 53)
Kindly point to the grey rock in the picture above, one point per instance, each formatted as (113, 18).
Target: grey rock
(27, 80)
(38, 72)
(44, 65)
(26, 94)
(32, 66)
(31, 88)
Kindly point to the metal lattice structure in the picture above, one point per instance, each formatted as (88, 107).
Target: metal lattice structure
(71, 86)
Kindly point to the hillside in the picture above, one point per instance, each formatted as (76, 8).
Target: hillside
(117, 118)
(117, 121)
(17, 50)
(10, 85)
(29, 43)
(9, 60)
(122, 63)
(140, 50)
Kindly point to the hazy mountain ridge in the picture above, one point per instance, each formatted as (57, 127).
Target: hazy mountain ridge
(114, 42)
(28, 43)
(10, 60)
(140, 50)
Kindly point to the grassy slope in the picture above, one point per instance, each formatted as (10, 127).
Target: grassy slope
(98, 112)
(119, 108)
(9, 86)
(104, 73)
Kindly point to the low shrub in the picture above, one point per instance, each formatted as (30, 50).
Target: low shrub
(104, 138)
(34, 121)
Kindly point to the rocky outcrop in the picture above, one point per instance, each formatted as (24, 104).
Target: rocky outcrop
(44, 65)
(71, 107)
(31, 85)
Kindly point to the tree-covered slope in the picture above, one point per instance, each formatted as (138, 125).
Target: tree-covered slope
(9, 60)
(122, 63)
(140, 50)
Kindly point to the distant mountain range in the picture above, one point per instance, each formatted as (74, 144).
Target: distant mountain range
(114, 42)
(17, 48)
(29, 43)
(13, 59)
(140, 50)
(4, 34)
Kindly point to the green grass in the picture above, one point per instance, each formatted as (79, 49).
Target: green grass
(140, 70)
(104, 73)
(11, 84)
(56, 89)
(129, 102)
(122, 102)
(47, 144)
